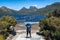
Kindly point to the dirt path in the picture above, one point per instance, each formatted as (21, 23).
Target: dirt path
(22, 36)
(21, 33)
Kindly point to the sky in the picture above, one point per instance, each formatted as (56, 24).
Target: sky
(18, 4)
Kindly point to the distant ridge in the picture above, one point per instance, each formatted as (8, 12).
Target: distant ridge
(49, 8)
(32, 9)
(5, 10)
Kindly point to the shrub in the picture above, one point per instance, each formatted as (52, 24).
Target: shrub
(5, 23)
(51, 27)
(2, 37)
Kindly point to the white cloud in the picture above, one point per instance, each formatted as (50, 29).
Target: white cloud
(35, 5)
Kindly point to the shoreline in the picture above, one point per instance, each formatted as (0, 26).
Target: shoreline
(21, 26)
(24, 23)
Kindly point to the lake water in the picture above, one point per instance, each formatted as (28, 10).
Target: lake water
(26, 17)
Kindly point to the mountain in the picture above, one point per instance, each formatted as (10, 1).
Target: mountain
(6, 10)
(44, 10)
(49, 8)
(23, 10)
(33, 8)
(30, 10)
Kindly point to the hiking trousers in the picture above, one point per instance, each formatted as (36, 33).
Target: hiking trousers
(28, 33)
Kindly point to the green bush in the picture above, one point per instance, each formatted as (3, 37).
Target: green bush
(51, 27)
(2, 37)
(5, 23)
(11, 20)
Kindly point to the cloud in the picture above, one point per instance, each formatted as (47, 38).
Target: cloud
(34, 5)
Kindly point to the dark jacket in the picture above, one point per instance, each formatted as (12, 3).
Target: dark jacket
(28, 27)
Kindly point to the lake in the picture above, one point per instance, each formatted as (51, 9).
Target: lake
(26, 17)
